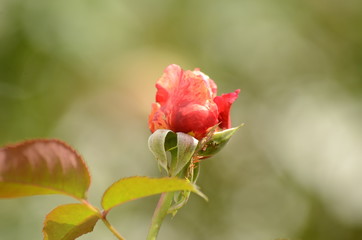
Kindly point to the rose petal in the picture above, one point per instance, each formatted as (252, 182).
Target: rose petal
(192, 89)
(166, 84)
(191, 105)
(224, 103)
(211, 84)
(194, 118)
(157, 118)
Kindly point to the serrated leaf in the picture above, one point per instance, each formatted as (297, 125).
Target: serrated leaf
(132, 188)
(67, 222)
(42, 167)
(186, 146)
(156, 144)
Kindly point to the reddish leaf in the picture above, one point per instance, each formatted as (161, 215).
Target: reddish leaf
(67, 222)
(42, 167)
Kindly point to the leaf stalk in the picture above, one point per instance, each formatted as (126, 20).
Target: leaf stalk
(111, 228)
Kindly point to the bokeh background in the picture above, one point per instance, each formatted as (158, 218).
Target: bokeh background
(84, 72)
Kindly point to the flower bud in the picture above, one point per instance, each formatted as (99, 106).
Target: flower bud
(186, 102)
(216, 142)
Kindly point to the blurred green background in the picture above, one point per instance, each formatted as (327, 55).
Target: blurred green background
(84, 71)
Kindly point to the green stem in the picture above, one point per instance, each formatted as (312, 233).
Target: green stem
(160, 213)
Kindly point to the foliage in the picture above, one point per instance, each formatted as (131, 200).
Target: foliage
(52, 167)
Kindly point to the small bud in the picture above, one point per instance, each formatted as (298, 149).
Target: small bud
(217, 142)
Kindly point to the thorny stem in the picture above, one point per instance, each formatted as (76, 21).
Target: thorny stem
(160, 213)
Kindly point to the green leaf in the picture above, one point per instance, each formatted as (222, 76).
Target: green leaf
(217, 142)
(186, 145)
(156, 144)
(42, 167)
(132, 188)
(67, 222)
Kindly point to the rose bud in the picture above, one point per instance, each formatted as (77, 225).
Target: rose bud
(186, 102)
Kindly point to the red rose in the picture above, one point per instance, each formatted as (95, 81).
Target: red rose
(186, 102)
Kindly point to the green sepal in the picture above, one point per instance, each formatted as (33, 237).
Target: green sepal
(181, 146)
(186, 146)
(191, 172)
(181, 200)
(217, 142)
(159, 142)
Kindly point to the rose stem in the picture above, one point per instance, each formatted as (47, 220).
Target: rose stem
(160, 213)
